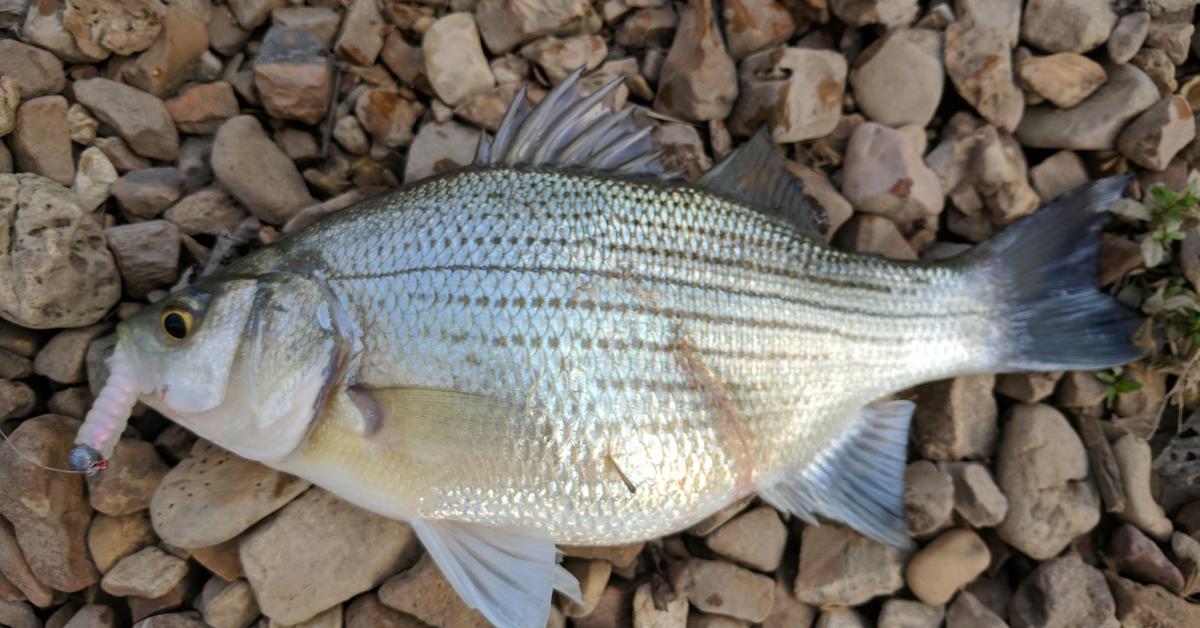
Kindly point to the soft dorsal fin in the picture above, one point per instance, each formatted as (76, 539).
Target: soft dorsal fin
(570, 129)
(757, 175)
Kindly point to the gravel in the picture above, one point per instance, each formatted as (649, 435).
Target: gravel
(137, 136)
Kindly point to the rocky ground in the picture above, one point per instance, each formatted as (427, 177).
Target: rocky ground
(154, 141)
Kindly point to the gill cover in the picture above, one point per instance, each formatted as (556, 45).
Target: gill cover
(254, 373)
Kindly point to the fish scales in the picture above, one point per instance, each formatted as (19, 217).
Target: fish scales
(665, 348)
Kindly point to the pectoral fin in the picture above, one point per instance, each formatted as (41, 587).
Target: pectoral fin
(508, 574)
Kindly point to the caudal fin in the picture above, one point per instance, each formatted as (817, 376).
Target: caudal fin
(1047, 266)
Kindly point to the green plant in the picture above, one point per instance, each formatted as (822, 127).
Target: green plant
(1115, 384)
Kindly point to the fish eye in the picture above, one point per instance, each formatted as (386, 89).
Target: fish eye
(176, 323)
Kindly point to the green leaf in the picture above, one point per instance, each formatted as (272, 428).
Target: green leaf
(1107, 378)
(1164, 196)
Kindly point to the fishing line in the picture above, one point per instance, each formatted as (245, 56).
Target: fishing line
(33, 461)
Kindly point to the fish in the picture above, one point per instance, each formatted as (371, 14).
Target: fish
(566, 343)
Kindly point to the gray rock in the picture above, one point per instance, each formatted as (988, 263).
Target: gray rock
(898, 79)
(1067, 25)
(293, 75)
(56, 270)
(978, 57)
(928, 498)
(362, 33)
(257, 172)
(146, 193)
(139, 118)
(209, 211)
(1095, 123)
(454, 60)
(1127, 36)
(1063, 591)
(147, 254)
(888, 13)
(322, 22)
(440, 147)
(956, 419)
(898, 613)
(698, 80)
(504, 25)
(1042, 468)
(968, 611)
(797, 92)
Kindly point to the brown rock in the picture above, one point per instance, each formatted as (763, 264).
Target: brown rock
(1067, 25)
(149, 572)
(81, 126)
(839, 618)
(967, 610)
(41, 143)
(190, 619)
(423, 592)
(753, 25)
(698, 80)
(1136, 556)
(898, 613)
(227, 604)
(15, 570)
(54, 268)
(366, 611)
(1042, 468)
(1063, 591)
(44, 28)
(48, 509)
(125, 27)
(885, 175)
(876, 235)
(405, 60)
(118, 152)
(252, 13)
(1172, 38)
(454, 60)
(362, 33)
(147, 254)
(18, 340)
(1079, 389)
(787, 611)
(1139, 605)
(203, 107)
(388, 116)
(718, 587)
(1064, 79)
(319, 551)
(16, 400)
(73, 402)
(1186, 551)
(293, 75)
(950, 562)
(646, 28)
(36, 71)
(1127, 36)
(225, 35)
(1095, 123)
(13, 366)
(682, 149)
(61, 360)
(146, 193)
(222, 559)
(440, 147)
(1061, 172)
(818, 186)
(979, 59)
(1028, 387)
(209, 211)
(127, 486)
(255, 171)
(928, 498)
(888, 13)
(93, 616)
(840, 566)
(110, 539)
(139, 118)
(213, 496)
(1158, 134)
(796, 91)
(647, 615)
(615, 609)
(504, 25)
(755, 539)
(162, 68)
(10, 100)
(956, 418)
(322, 22)
(898, 79)
(592, 576)
(558, 57)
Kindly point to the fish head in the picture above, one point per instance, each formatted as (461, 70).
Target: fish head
(245, 362)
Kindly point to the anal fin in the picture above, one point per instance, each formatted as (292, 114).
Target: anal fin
(508, 574)
(860, 480)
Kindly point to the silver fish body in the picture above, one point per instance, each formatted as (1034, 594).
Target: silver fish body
(662, 350)
(554, 346)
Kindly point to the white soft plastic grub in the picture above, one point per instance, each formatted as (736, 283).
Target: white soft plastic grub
(104, 423)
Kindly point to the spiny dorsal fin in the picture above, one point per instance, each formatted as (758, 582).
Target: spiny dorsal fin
(756, 174)
(570, 129)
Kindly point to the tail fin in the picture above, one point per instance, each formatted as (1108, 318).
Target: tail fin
(1048, 266)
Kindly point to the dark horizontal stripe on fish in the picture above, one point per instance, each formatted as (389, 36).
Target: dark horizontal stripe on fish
(671, 281)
